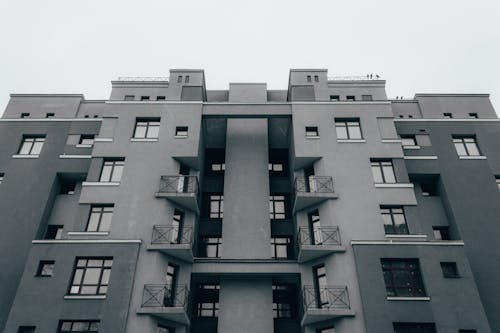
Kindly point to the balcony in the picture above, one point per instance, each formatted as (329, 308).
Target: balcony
(166, 302)
(312, 191)
(325, 303)
(181, 190)
(318, 242)
(173, 241)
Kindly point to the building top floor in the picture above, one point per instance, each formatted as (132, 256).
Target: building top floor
(304, 86)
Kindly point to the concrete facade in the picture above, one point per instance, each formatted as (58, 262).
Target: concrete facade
(249, 210)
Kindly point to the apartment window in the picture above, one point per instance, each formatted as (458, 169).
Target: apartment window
(147, 128)
(160, 98)
(447, 115)
(91, 276)
(394, 220)
(497, 180)
(144, 98)
(186, 79)
(312, 131)
(129, 97)
(112, 170)
(281, 247)
(86, 139)
(334, 98)
(383, 171)
(216, 206)
(179, 79)
(31, 145)
(211, 247)
(218, 167)
(25, 115)
(350, 98)
(276, 167)
(348, 128)
(45, 268)
(214, 161)
(207, 300)
(408, 140)
(164, 329)
(414, 328)
(450, 270)
(54, 232)
(284, 296)
(100, 218)
(402, 278)
(68, 326)
(181, 131)
(277, 207)
(441, 233)
(316, 78)
(49, 115)
(367, 98)
(473, 115)
(1, 177)
(278, 162)
(466, 145)
(309, 78)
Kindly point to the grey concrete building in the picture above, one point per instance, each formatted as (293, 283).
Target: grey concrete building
(322, 208)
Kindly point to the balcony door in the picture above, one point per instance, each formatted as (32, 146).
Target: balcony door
(310, 182)
(183, 183)
(177, 225)
(170, 285)
(315, 228)
(320, 286)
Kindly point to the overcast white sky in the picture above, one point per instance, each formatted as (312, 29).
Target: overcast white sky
(66, 46)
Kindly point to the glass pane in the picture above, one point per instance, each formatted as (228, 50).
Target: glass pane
(95, 263)
(212, 251)
(377, 174)
(105, 276)
(80, 326)
(105, 221)
(93, 221)
(78, 276)
(279, 207)
(92, 276)
(108, 263)
(389, 174)
(140, 131)
(37, 147)
(117, 173)
(400, 224)
(472, 149)
(281, 251)
(88, 290)
(105, 173)
(341, 132)
(25, 148)
(74, 290)
(354, 131)
(153, 131)
(460, 148)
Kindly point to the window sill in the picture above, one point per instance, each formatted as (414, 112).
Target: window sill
(103, 140)
(180, 136)
(391, 140)
(88, 233)
(312, 137)
(394, 185)
(25, 156)
(351, 140)
(420, 157)
(406, 236)
(411, 147)
(101, 184)
(83, 146)
(472, 157)
(75, 156)
(85, 297)
(396, 298)
(144, 140)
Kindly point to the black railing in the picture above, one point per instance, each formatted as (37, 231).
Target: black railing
(314, 184)
(325, 298)
(168, 234)
(319, 236)
(178, 184)
(165, 296)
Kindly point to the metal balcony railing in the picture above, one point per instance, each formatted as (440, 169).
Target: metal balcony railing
(168, 234)
(326, 298)
(165, 296)
(314, 184)
(178, 184)
(319, 236)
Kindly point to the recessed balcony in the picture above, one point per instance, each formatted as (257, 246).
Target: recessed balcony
(173, 240)
(181, 190)
(318, 242)
(311, 191)
(325, 303)
(166, 302)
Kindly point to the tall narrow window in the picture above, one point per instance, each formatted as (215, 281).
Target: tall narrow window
(277, 207)
(315, 228)
(309, 78)
(207, 300)
(281, 248)
(316, 78)
(383, 171)
(91, 276)
(1, 177)
(71, 326)
(320, 285)
(497, 180)
(466, 145)
(394, 220)
(186, 79)
(112, 170)
(348, 128)
(402, 278)
(147, 128)
(284, 300)
(31, 145)
(170, 285)
(177, 226)
(100, 218)
(216, 206)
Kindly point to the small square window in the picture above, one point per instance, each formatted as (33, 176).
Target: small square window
(144, 98)
(179, 79)
(450, 270)
(25, 115)
(45, 268)
(441, 233)
(408, 140)
(86, 139)
(473, 115)
(160, 98)
(181, 131)
(50, 115)
(186, 79)
(312, 131)
(129, 97)
(26, 329)
(334, 98)
(367, 98)
(309, 78)
(351, 98)
(447, 115)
